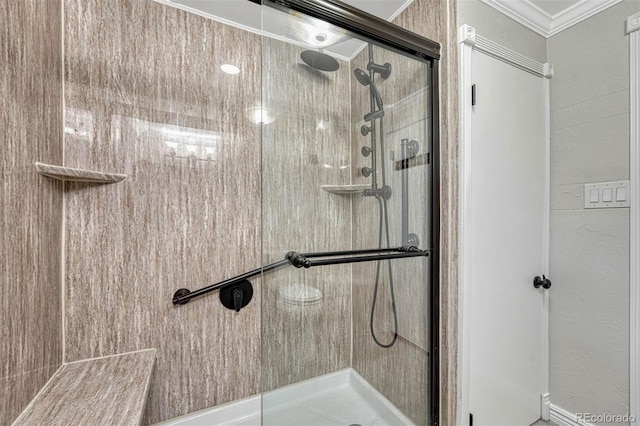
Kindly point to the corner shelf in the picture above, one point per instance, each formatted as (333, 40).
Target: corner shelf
(78, 175)
(345, 189)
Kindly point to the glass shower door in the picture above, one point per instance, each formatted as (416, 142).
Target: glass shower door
(348, 143)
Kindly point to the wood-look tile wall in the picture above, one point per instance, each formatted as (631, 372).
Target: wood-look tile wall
(30, 205)
(137, 71)
(401, 372)
(436, 20)
(141, 79)
(308, 145)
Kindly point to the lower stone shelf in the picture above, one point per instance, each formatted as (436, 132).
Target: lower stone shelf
(102, 391)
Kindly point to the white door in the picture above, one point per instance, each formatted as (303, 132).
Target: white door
(506, 174)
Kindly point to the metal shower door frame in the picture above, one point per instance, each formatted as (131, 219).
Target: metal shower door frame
(378, 31)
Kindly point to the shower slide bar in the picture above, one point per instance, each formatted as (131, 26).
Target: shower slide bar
(306, 260)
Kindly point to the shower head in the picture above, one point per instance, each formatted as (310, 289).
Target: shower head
(320, 61)
(363, 77)
(365, 80)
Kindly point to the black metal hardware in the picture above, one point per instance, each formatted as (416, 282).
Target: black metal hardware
(383, 70)
(184, 295)
(409, 149)
(236, 296)
(374, 115)
(543, 282)
(367, 26)
(298, 260)
(384, 192)
(366, 171)
(364, 130)
(366, 151)
(473, 95)
(179, 295)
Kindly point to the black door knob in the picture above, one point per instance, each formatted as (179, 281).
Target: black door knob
(543, 282)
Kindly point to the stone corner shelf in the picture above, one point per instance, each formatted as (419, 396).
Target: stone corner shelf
(345, 189)
(78, 175)
(111, 390)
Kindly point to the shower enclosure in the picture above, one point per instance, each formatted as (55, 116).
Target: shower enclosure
(348, 280)
(347, 165)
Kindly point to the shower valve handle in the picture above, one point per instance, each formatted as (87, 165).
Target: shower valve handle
(366, 151)
(237, 299)
(365, 130)
(366, 171)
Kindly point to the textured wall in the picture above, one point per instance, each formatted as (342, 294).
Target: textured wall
(138, 76)
(141, 77)
(30, 205)
(501, 29)
(589, 259)
(305, 147)
(436, 19)
(401, 372)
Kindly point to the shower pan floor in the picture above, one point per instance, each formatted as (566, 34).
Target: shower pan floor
(342, 398)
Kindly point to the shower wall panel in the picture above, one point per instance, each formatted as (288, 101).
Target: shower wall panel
(30, 205)
(306, 146)
(145, 96)
(401, 373)
(436, 20)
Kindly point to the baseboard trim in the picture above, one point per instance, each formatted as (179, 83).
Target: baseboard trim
(545, 406)
(562, 417)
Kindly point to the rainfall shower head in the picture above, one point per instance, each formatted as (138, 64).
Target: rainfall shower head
(365, 80)
(320, 61)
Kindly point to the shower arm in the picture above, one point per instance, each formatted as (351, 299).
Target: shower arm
(303, 260)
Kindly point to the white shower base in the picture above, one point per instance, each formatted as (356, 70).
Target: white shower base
(342, 398)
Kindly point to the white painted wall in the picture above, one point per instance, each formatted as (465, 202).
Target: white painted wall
(589, 253)
(589, 249)
(501, 29)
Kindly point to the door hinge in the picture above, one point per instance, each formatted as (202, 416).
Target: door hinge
(473, 95)
(470, 419)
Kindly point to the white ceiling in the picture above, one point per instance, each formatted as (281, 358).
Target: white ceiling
(292, 28)
(549, 17)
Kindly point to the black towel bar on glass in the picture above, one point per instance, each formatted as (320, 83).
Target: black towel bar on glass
(306, 260)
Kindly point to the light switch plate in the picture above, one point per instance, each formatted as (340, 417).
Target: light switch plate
(611, 191)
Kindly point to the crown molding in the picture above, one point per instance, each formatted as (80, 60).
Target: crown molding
(467, 35)
(525, 13)
(536, 19)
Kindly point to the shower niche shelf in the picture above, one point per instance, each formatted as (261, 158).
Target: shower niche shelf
(78, 175)
(345, 189)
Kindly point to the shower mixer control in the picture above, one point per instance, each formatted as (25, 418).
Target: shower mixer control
(236, 296)
(365, 130)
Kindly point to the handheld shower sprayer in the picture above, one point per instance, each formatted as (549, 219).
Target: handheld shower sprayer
(364, 79)
(375, 131)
